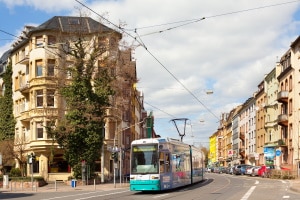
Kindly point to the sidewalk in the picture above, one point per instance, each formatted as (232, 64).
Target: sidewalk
(60, 187)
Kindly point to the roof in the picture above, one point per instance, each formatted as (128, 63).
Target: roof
(3, 60)
(73, 24)
(295, 42)
(5, 57)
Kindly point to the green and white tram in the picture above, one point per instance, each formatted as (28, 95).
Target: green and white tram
(162, 164)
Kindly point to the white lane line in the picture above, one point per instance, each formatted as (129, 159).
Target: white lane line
(88, 193)
(160, 196)
(101, 195)
(247, 195)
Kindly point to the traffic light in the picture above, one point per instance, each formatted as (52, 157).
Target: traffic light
(114, 156)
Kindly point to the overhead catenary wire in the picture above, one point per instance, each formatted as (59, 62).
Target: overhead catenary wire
(153, 56)
(160, 110)
(186, 22)
(196, 20)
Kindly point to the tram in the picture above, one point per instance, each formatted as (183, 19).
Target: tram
(162, 164)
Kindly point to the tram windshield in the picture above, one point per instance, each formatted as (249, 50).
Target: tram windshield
(144, 159)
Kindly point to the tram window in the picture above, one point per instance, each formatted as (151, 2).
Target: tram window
(167, 162)
(144, 160)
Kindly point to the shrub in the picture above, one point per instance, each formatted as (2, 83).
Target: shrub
(15, 172)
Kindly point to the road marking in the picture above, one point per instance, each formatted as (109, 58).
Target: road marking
(247, 195)
(256, 182)
(66, 196)
(286, 197)
(101, 195)
(160, 196)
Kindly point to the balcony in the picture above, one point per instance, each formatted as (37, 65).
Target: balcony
(282, 143)
(24, 58)
(242, 136)
(283, 120)
(25, 116)
(24, 88)
(282, 96)
(38, 112)
(242, 152)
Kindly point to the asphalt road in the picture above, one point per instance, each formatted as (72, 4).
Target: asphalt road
(215, 187)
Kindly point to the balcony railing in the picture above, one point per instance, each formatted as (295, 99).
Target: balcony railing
(282, 96)
(283, 120)
(24, 88)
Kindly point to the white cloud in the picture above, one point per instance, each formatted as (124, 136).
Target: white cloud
(229, 51)
(47, 6)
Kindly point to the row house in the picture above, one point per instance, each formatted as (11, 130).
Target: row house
(265, 130)
(247, 137)
(40, 67)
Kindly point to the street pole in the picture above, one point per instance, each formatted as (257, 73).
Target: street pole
(114, 163)
(31, 175)
(120, 158)
(102, 155)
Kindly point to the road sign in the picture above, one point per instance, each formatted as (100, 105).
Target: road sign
(278, 153)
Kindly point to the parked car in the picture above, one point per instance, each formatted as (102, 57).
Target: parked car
(229, 170)
(265, 171)
(255, 170)
(240, 169)
(208, 170)
(248, 170)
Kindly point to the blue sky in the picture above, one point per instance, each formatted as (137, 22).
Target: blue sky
(228, 52)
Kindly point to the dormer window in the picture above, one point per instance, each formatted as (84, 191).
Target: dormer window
(74, 21)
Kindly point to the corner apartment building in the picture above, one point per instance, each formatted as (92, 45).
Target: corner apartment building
(40, 66)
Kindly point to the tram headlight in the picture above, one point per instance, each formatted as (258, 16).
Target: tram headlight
(154, 177)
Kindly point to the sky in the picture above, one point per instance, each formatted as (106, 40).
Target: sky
(184, 50)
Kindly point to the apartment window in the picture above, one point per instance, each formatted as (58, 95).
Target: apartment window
(50, 98)
(51, 40)
(290, 106)
(39, 130)
(126, 116)
(27, 70)
(39, 68)
(39, 98)
(50, 67)
(39, 40)
(290, 83)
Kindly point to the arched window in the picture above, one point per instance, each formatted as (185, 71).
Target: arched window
(290, 83)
